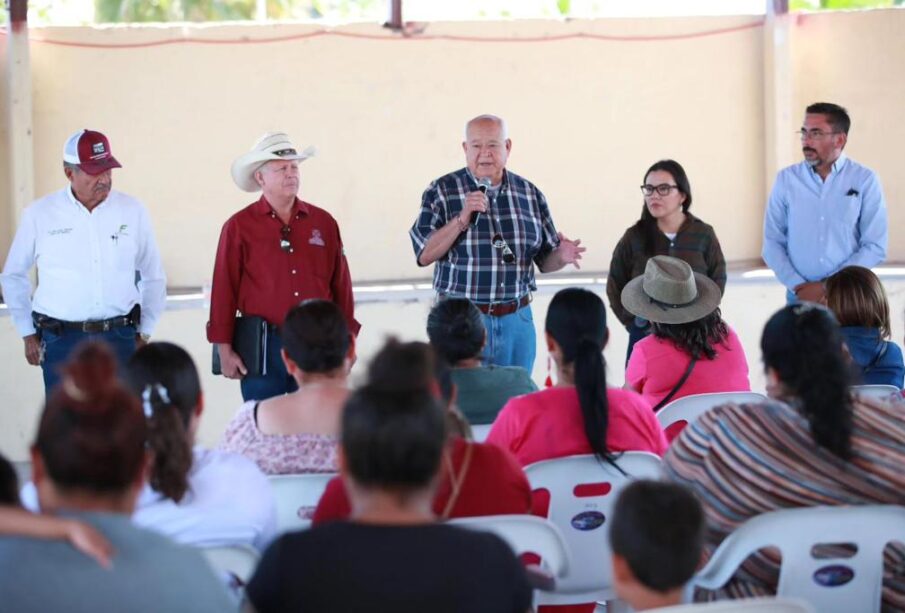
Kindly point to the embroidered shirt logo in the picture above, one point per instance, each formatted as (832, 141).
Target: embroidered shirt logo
(59, 231)
(121, 232)
(316, 238)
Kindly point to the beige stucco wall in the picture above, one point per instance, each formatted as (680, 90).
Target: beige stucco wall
(586, 116)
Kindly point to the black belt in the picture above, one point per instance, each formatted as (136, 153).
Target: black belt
(45, 322)
(500, 309)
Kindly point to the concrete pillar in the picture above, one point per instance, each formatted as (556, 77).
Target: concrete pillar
(21, 143)
(780, 119)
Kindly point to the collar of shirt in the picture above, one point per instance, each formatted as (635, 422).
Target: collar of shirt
(835, 169)
(299, 207)
(502, 185)
(81, 206)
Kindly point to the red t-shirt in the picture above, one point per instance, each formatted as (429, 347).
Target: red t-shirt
(494, 484)
(254, 275)
(548, 424)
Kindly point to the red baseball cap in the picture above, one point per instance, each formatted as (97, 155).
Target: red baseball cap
(91, 151)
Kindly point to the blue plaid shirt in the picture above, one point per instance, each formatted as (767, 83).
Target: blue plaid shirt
(473, 268)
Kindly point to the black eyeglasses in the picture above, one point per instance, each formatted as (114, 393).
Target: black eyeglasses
(499, 243)
(663, 189)
(285, 245)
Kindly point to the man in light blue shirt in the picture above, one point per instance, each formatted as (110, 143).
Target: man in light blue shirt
(824, 213)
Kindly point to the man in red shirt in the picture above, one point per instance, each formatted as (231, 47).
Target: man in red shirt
(273, 254)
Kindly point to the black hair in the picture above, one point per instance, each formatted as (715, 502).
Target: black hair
(165, 379)
(658, 529)
(647, 225)
(696, 338)
(836, 116)
(92, 433)
(9, 483)
(456, 329)
(576, 319)
(315, 336)
(394, 428)
(803, 345)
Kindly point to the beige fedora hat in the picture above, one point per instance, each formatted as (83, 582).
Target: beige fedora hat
(271, 146)
(670, 292)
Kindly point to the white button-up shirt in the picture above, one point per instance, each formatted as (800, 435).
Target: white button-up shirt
(86, 262)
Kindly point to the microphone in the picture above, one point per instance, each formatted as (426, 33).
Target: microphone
(483, 185)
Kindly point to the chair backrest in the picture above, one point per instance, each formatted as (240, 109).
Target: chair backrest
(583, 490)
(878, 391)
(831, 581)
(479, 433)
(236, 560)
(746, 605)
(525, 534)
(294, 492)
(689, 408)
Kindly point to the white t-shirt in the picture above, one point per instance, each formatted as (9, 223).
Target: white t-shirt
(229, 502)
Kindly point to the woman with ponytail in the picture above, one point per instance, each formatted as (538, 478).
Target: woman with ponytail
(812, 444)
(194, 495)
(456, 331)
(580, 414)
(89, 461)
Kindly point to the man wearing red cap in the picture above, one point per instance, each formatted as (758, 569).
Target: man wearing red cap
(99, 271)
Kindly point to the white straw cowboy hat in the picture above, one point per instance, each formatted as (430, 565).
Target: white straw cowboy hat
(670, 292)
(271, 146)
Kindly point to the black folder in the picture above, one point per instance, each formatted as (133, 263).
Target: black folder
(250, 342)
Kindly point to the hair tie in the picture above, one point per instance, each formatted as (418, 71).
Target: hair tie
(72, 390)
(162, 393)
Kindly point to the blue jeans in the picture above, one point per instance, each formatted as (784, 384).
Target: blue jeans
(58, 347)
(638, 329)
(511, 339)
(276, 382)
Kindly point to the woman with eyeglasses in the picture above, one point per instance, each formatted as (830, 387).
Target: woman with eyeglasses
(811, 444)
(665, 228)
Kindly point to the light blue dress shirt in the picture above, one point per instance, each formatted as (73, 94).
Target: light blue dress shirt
(814, 228)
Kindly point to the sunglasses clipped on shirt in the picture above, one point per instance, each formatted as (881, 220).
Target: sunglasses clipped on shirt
(498, 242)
(285, 245)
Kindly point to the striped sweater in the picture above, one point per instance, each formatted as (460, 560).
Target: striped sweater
(744, 460)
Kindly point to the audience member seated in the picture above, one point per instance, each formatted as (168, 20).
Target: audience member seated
(456, 331)
(811, 444)
(653, 559)
(195, 496)
(297, 433)
(475, 478)
(579, 415)
(392, 555)
(857, 298)
(16, 521)
(691, 349)
(88, 463)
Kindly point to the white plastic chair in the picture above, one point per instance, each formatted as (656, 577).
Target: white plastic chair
(829, 584)
(236, 560)
(689, 408)
(747, 605)
(293, 492)
(479, 433)
(525, 534)
(875, 391)
(583, 491)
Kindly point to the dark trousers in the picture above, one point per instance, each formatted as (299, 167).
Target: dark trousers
(276, 382)
(638, 329)
(58, 348)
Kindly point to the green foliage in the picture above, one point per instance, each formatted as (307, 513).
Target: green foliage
(564, 6)
(835, 5)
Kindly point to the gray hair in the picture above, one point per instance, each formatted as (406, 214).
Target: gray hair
(72, 167)
(504, 129)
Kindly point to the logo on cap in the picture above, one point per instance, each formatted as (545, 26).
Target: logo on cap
(98, 148)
